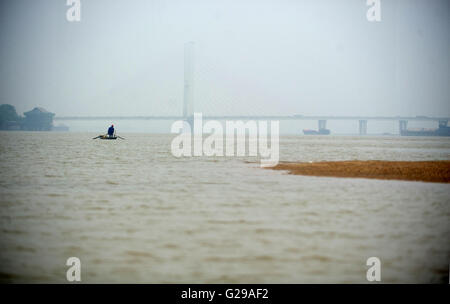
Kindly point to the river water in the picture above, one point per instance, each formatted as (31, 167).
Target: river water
(132, 212)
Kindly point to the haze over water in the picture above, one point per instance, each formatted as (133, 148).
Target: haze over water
(134, 213)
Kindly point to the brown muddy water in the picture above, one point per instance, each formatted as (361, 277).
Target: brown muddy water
(133, 213)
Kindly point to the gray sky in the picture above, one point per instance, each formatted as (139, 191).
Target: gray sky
(319, 57)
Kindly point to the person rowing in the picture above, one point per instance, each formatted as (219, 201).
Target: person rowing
(111, 131)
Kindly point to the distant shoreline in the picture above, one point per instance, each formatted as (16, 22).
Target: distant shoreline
(425, 171)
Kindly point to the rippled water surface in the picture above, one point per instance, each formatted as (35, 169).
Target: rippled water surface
(134, 213)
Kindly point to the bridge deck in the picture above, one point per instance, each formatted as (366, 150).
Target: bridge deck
(293, 117)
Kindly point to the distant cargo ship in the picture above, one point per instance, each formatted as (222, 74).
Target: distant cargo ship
(315, 132)
(443, 130)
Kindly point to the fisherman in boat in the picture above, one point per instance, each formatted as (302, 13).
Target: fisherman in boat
(111, 131)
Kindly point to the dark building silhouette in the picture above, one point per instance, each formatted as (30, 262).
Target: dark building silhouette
(38, 119)
(9, 120)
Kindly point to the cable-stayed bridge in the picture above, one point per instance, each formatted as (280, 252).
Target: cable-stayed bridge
(188, 108)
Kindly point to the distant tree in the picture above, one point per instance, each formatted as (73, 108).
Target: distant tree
(8, 113)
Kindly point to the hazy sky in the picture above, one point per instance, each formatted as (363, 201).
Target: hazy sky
(319, 57)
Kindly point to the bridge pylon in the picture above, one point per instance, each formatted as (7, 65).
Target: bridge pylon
(188, 97)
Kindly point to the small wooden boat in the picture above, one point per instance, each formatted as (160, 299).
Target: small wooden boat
(106, 137)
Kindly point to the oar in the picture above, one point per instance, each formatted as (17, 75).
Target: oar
(120, 137)
(97, 137)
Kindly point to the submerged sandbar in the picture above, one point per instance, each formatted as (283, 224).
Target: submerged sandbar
(425, 171)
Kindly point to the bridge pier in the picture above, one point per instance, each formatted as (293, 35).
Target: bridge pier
(402, 126)
(190, 121)
(363, 127)
(322, 124)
